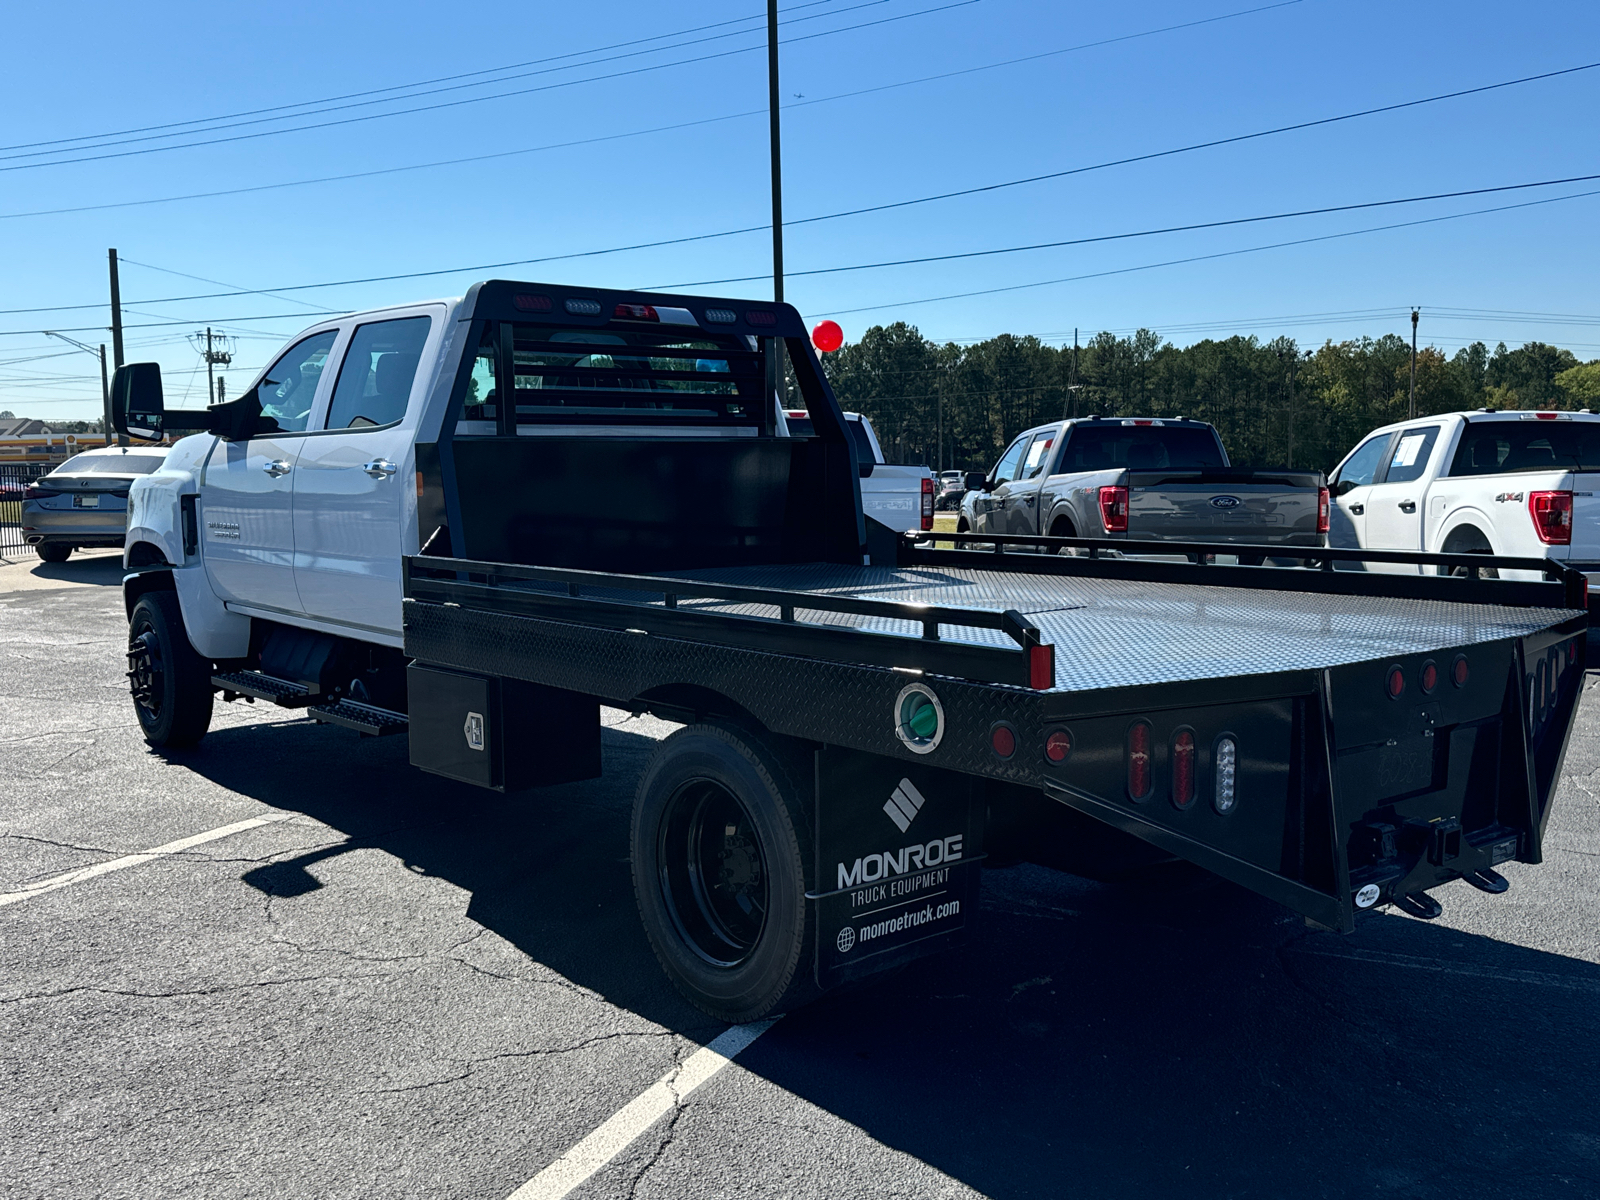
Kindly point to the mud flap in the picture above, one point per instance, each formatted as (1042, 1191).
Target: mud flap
(899, 848)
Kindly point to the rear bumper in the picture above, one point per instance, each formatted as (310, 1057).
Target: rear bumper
(73, 527)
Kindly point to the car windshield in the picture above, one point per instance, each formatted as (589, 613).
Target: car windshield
(110, 464)
(1104, 447)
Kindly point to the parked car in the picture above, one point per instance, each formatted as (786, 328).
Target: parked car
(1141, 479)
(949, 488)
(898, 498)
(1518, 484)
(84, 501)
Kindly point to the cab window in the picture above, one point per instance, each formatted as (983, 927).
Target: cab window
(376, 376)
(1409, 458)
(1362, 466)
(290, 384)
(1006, 470)
(1038, 455)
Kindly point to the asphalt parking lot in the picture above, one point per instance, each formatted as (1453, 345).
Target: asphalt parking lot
(397, 986)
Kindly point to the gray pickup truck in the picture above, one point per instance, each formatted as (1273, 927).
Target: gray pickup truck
(1142, 479)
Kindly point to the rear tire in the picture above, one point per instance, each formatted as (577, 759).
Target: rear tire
(721, 844)
(170, 682)
(53, 554)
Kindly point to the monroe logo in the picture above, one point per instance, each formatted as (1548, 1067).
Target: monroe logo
(904, 805)
(1225, 502)
(897, 862)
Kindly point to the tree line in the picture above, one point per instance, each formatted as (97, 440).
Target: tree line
(1275, 404)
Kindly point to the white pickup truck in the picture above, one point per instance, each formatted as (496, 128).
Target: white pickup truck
(1518, 484)
(896, 497)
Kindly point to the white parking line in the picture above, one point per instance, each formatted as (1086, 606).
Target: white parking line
(57, 882)
(632, 1119)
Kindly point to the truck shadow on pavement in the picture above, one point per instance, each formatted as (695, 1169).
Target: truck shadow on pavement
(1187, 1039)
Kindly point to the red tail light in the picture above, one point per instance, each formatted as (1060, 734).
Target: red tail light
(1552, 516)
(35, 492)
(1322, 510)
(1139, 760)
(1114, 509)
(927, 504)
(1041, 667)
(1183, 758)
(636, 312)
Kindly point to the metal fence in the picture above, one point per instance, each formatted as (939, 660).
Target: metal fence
(14, 480)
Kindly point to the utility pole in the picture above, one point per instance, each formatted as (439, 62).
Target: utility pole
(105, 396)
(777, 154)
(214, 359)
(1071, 401)
(1415, 312)
(116, 311)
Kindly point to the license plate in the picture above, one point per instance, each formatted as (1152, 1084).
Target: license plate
(86, 502)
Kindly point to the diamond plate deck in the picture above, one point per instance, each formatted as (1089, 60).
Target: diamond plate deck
(1114, 633)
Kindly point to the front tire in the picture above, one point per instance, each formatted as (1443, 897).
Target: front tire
(721, 843)
(53, 553)
(170, 682)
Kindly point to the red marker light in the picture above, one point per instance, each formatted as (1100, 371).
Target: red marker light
(827, 336)
(1397, 683)
(1041, 668)
(1458, 671)
(1183, 756)
(1430, 677)
(1003, 740)
(636, 312)
(1139, 760)
(1057, 745)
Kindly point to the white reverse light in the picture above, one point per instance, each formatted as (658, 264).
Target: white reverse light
(1227, 758)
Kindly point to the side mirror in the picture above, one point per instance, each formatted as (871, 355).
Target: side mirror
(1344, 486)
(137, 409)
(977, 481)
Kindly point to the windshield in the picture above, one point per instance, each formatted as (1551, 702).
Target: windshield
(110, 464)
(1493, 447)
(1105, 447)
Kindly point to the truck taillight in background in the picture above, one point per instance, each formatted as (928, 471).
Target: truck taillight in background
(1322, 510)
(1552, 517)
(1114, 509)
(927, 504)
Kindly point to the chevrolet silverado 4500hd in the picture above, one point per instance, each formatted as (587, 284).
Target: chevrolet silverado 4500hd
(471, 523)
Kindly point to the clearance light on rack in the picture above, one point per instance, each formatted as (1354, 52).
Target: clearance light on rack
(1041, 668)
(527, 303)
(583, 308)
(721, 316)
(761, 317)
(1226, 757)
(635, 312)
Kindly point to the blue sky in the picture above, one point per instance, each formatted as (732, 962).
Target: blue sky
(122, 67)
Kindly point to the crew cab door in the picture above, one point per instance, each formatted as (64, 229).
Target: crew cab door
(988, 510)
(1396, 501)
(353, 476)
(247, 488)
(1351, 487)
(1022, 493)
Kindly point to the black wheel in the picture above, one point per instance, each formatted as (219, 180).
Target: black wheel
(53, 553)
(720, 846)
(170, 682)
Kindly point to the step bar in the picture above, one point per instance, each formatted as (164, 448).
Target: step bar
(366, 719)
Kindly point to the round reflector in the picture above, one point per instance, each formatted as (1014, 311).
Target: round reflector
(827, 336)
(1458, 670)
(1397, 683)
(1057, 745)
(1003, 740)
(1430, 677)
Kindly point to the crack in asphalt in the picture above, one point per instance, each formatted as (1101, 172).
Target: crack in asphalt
(472, 1064)
(181, 993)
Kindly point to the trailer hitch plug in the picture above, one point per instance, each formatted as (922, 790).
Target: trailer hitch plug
(1487, 880)
(1420, 905)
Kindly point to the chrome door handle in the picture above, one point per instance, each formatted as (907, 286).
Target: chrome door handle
(277, 467)
(1408, 506)
(1357, 509)
(380, 468)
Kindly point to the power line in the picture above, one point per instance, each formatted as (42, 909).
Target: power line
(253, 112)
(1117, 237)
(480, 99)
(498, 154)
(1327, 237)
(748, 229)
